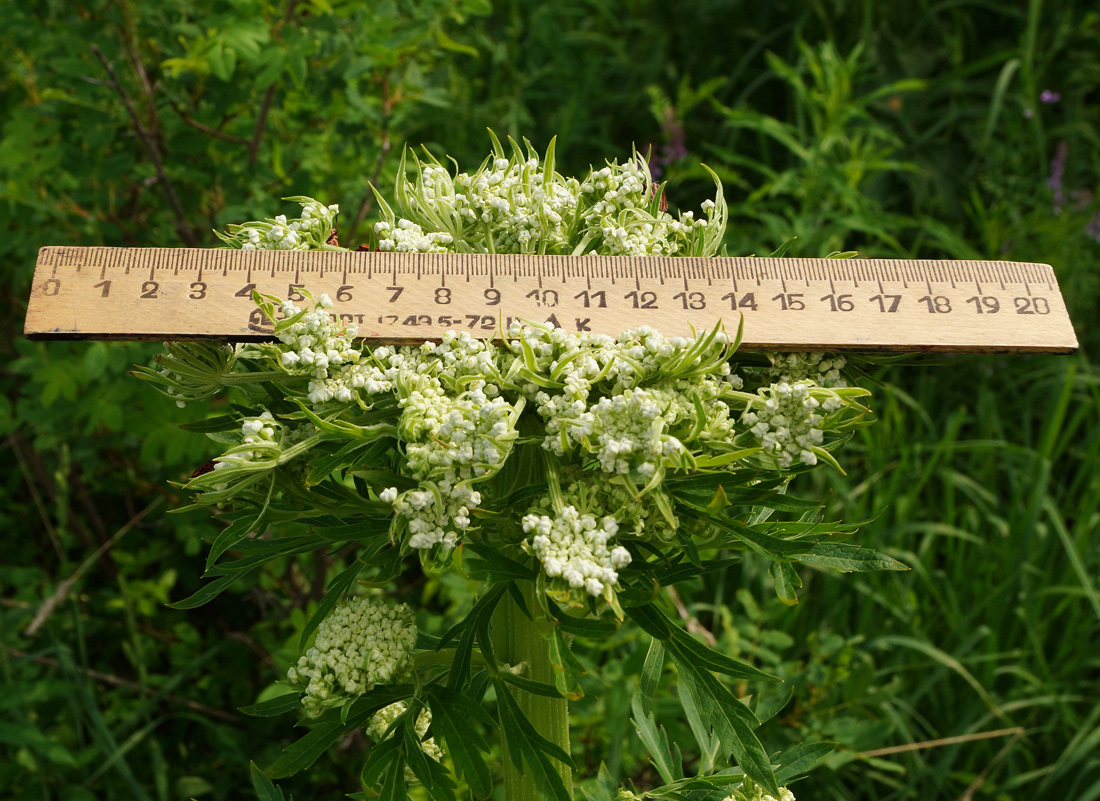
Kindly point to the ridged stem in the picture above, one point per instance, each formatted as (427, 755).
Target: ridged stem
(516, 639)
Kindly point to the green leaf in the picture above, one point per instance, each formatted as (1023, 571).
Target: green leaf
(731, 720)
(209, 591)
(453, 715)
(305, 751)
(489, 564)
(278, 705)
(529, 750)
(224, 422)
(467, 631)
(655, 739)
(800, 759)
(533, 687)
(264, 787)
(567, 668)
(682, 646)
(787, 582)
(849, 558)
(650, 677)
(232, 534)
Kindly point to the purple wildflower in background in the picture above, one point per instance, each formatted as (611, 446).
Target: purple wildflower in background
(1049, 97)
(1057, 170)
(674, 147)
(1093, 228)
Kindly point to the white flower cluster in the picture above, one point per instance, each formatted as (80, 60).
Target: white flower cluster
(619, 195)
(437, 514)
(574, 547)
(308, 232)
(451, 441)
(360, 644)
(785, 420)
(408, 237)
(821, 368)
(384, 718)
(521, 205)
(625, 431)
(317, 343)
(750, 791)
(516, 205)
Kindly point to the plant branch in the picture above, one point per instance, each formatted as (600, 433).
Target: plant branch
(383, 150)
(63, 588)
(265, 107)
(149, 140)
(206, 129)
(118, 681)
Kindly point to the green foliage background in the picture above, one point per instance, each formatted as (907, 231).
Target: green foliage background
(904, 129)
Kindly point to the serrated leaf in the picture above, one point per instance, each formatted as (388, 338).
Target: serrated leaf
(264, 787)
(650, 677)
(533, 687)
(452, 717)
(800, 759)
(787, 582)
(529, 750)
(304, 752)
(682, 646)
(732, 722)
(467, 631)
(849, 558)
(209, 591)
(278, 705)
(655, 739)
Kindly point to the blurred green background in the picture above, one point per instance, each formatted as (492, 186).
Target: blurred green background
(958, 129)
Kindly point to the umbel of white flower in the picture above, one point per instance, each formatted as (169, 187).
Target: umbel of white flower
(361, 643)
(574, 547)
(784, 419)
(517, 203)
(750, 791)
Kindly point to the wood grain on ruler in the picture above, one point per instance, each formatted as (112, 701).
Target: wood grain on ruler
(786, 304)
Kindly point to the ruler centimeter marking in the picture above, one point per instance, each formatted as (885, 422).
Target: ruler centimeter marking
(785, 304)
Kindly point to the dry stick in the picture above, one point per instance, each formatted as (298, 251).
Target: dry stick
(690, 621)
(962, 738)
(149, 140)
(265, 107)
(63, 588)
(384, 149)
(32, 486)
(118, 681)
(980, 780)
(206, 129)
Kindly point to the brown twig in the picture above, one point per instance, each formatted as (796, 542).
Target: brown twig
(383, 150)
(149, 140)
(32, 485)
(265, 107)
(206, 129)
(118, 681)
(63, 588)
(690, 621)
(976, 785)
(962, 738)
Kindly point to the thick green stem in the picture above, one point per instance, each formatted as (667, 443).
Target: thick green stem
(516, 639)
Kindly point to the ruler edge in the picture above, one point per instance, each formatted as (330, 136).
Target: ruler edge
(42, 263)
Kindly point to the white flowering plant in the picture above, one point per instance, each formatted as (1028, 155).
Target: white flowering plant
(575, 476)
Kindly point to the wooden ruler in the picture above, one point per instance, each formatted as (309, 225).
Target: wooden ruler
(787, 304)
